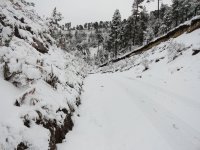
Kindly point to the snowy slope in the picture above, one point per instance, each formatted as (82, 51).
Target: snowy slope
(40, 84)
(153, 104)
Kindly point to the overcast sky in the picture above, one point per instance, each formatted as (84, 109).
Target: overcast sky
(82, 11)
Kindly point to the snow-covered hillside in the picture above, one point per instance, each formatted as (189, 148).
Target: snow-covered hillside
(166, 51)
(149, 101)
(40, 84)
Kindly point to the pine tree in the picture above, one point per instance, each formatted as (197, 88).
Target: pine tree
(53, 23)
(166, 21)
(56, 16)
(96, 25)
(86, 26)
(136, 6)
(196, 6)
(99, 38)
(68, 26)
(175, 12)
(125, 34)
(128, 31)
(142, 26)
(115, 32)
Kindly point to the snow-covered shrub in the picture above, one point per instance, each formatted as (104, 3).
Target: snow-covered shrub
(10, 76)
(174, 50)
(52, 80)
(145, 64)
(28, 98)
(6, 35)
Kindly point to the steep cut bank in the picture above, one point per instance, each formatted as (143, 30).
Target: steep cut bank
(40, 84)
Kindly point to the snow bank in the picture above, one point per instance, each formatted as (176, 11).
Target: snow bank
(36, 109)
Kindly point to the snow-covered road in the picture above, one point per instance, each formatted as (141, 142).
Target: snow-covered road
(121, 112)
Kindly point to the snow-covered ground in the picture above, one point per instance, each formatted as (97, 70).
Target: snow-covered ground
(155, 105)
(122, 112)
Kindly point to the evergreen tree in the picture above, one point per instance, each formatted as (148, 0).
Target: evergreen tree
(99, 38)
(175, 12)
(96, 25)
(53, 23)
(196, 7)
(129, 31)
(141, 26)
(136, 8)
(56, 29)
(115, 32)
(85, 26)
(81, 27)
(125, 33)
(166, 21)
(68, 25)
(57, 16)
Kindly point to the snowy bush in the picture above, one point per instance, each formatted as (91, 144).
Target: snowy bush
(145, 64)
(6, 35)
(174, 50)
(52, 80)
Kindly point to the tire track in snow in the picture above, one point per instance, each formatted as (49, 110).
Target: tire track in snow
(177, 133)
(189, 101)
(186, 108)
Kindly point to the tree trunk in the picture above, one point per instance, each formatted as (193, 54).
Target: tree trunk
(158, 9)
(134, 30)
(115, 50)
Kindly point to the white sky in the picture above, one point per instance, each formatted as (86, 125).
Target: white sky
(82, 11)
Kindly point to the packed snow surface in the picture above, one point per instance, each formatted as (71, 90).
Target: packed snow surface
(153, 105)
